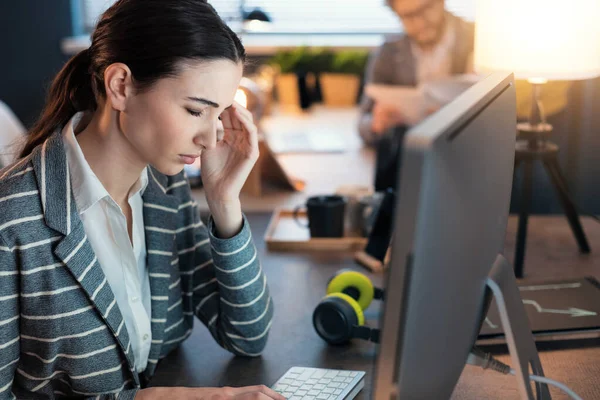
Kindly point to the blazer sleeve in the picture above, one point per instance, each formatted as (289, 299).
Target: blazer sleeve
(379, 70)
(9, 320)
(230, 292)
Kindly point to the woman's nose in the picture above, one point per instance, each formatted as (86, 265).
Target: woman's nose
(208, 138)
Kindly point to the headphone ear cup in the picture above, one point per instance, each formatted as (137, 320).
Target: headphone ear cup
(335, 316)
(354, 284)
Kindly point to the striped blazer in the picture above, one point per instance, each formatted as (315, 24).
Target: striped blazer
(61, 331)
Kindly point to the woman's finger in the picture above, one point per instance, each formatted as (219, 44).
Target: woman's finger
(246, 122)
(235, 123)
(243, 110)
(251, 130)
(270, 393)
(226, 118)
(249, 127)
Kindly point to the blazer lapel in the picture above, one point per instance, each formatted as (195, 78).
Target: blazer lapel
(405, 62)
(74, 250)
(160, 215)
(464, 38)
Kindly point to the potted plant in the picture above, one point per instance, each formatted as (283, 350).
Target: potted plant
(290, 84)
(340, 82)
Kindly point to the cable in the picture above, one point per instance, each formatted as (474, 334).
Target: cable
(543, 379)
(484, 360)
(479, 358)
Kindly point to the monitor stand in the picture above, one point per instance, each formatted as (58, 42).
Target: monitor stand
(503, 285)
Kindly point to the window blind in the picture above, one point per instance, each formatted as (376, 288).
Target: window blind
(306, 16)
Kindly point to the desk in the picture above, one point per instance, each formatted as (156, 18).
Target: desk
(323, 172)
(297, 283)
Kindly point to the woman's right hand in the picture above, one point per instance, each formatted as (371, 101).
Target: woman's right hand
(223, 393)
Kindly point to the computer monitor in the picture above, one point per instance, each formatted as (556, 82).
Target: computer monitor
(450, 218)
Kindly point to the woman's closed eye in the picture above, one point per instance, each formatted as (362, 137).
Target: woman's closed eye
(195, 113)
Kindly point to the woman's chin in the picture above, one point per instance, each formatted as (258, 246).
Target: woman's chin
(170, 169)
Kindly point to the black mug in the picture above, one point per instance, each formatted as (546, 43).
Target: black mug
(325, 215)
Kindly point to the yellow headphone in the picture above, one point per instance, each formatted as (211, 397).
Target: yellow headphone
(339, 315)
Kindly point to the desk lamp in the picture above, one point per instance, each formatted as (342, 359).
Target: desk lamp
(539, 40)
(254, 20)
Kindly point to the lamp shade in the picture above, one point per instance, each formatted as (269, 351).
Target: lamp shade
(538, 39)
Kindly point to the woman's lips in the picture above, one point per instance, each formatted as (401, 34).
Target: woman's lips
(188, 159)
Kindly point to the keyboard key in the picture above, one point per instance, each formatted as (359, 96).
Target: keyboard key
(318, 373)
(294, 397)
(338, 391)
(325, 381)
(312, 381)
(280, 388)
(334, 385)
(287, 395)
(339, 379)
(306, 387)
(319, 386)
(308, 398)
(331, 374)
(323, 396)
(314, 392)
(344, 373)
(353, 373)
(305, 375)
(348, 380)
(328, 390)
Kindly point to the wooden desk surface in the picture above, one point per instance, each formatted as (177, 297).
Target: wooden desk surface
(297, 282)
(323, 172)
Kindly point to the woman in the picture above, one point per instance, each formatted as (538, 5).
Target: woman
(104, 261)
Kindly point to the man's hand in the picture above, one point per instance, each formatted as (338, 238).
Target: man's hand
(385, 117)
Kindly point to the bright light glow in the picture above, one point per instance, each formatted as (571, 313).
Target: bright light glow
(547, 39)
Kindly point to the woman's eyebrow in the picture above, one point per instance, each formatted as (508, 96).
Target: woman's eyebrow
(204, 101)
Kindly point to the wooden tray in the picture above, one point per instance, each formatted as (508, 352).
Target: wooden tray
(284, 234)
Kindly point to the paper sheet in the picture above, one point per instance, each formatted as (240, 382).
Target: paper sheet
(415, 103)
(410, 101)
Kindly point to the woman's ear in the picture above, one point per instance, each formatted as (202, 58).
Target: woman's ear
(118, 84)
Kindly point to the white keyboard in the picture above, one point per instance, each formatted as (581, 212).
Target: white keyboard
(300, 383)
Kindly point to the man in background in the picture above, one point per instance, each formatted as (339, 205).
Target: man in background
(435, 45)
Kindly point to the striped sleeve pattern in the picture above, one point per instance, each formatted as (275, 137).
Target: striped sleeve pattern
(224, 278)
(9, 320)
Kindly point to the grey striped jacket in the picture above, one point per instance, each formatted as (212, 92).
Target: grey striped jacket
(61, 331)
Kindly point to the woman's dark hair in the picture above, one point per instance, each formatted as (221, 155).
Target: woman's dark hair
(152, 37)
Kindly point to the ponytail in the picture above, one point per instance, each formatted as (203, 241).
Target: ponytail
(71, 91)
